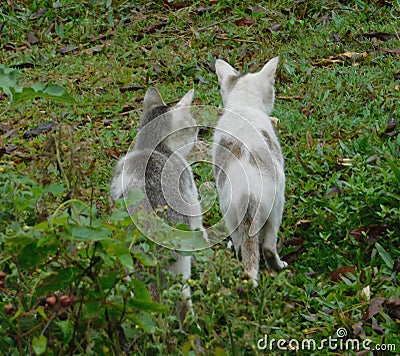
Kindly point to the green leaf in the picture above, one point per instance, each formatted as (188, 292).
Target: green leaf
(58, 280)
(42, 313)
(395, 169)
(56, 189)
(51, 91)
(135, 304)
(108, 281)
(145, 321)
(33, 255)
(89, 233)
(385, 256)
(67, 329)
(143, 258)
(8, 80)
(39, 344)
(140, 291)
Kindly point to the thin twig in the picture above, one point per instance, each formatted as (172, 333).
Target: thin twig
(303, 164)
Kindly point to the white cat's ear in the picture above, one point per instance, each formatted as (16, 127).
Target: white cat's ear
(269, 69)
(224, 70)
(186, 100)
(152, 99)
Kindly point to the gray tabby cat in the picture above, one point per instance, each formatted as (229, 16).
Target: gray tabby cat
(248, 165)
(157, 165)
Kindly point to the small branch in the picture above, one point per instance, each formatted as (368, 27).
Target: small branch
(303, 164)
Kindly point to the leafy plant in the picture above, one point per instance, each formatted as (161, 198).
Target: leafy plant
(9, 83)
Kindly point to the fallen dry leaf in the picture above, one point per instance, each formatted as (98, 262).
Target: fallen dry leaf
(131, 88)
(67, 49)
(176, 5)
(246, 21)
(338, 272)
(382, 36)
(370, 234)
(39, 13)
(32, 39)
(93, 50)
(376, 327)
(294, 241)
(292, 256)
(393, 305)
(340, 58)
(358, 329)
(366, 293)
(41, 128)
(374, 307)
(275, 28)
(391, 50)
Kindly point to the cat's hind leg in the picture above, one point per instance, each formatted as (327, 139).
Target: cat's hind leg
(269, 239)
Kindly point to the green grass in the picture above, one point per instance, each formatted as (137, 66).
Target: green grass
(339, 153)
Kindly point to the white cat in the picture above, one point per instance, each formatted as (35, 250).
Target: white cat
(248, 165)
(158, 167)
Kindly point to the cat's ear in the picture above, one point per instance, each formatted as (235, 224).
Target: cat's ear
(152, 99)
(268, 71)
(186, 101)
(224, 70)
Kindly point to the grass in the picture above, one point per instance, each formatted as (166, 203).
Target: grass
(337, 91)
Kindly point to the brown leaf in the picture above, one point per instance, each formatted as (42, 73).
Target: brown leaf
(310, 317)
(294, 241)
(176, 5)
(93, 50)
(39, 13)
(100, 37)
(275, 28)
(292, 256)
(340, 58)
(396, 266)
(376, 327)
(392, 50)
(370, 234)
(67, 49)
(258, 9)
(115, 153)
(335, 274)
(335, 37)
(383, 36)
(393, 305)
(246, 21)
(358, 329)
(131, 88)
(32, 39)
(203, 9)
(374, 307)
(332, 192)
(11, 133)
(41, 128)
(151, 29)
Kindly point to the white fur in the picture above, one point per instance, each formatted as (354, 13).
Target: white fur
(248, 102)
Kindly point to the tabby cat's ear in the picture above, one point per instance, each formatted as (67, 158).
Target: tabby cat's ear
(224, 71)
(152, 99)
(186, 100)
